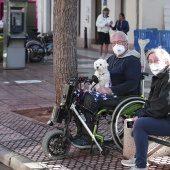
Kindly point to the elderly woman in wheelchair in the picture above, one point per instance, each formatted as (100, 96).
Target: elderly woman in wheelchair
(114, 104)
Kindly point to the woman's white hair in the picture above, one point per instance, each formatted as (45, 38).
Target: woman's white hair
(120, 33)
(160, 53)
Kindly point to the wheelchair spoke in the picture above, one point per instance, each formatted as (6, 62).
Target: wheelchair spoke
(125, 109)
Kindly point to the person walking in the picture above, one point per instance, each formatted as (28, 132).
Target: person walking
(121, 24)
(103, 24)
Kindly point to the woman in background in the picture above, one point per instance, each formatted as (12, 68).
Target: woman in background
(121, 24)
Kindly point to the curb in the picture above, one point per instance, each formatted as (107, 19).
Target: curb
(18, 162)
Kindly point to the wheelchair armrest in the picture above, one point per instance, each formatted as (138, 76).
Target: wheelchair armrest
(143, 74)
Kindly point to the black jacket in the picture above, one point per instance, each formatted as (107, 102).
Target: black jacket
(158, 103)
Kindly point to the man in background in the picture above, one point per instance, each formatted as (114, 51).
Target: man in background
(103, 24)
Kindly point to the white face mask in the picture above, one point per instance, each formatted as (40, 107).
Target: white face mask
(118, 49)
(158, 67)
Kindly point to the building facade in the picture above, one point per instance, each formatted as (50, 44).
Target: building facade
(141, 14)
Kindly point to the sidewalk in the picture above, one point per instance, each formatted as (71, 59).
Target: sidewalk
(20, 137)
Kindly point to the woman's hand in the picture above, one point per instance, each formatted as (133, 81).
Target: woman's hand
(104, 90)
(135, 118)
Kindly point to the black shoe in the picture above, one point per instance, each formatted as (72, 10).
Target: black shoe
(81, 143)
(76, 137)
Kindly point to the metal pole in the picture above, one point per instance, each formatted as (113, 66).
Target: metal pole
(85, 37)
(73, 107)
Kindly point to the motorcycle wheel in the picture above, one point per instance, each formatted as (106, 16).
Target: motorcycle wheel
(54, 145)
(35, 52)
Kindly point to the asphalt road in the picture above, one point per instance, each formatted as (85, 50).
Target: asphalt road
(3, 167)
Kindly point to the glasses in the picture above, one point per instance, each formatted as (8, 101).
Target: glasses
(118, 42)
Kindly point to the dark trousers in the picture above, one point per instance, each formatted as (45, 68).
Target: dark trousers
(143, 127)
(90, 104)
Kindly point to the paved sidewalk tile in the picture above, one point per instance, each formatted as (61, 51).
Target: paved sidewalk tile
(33, 87)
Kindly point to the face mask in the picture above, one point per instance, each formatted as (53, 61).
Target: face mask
(118, 49)
(157, 68)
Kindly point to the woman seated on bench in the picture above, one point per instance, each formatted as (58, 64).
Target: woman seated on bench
(154, 119)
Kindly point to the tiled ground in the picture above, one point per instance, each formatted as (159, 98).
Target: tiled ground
(24, 135)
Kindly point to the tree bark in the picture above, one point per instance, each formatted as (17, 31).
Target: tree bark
(65, 47)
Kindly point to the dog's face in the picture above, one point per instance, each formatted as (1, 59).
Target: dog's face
(100, 65)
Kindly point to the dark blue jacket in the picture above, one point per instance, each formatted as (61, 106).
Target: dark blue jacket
(125, 75)
(124, 26)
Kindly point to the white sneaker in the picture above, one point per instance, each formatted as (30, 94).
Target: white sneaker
(129, 162)
(135, 168)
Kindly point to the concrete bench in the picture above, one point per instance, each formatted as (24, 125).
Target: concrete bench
(158, 146)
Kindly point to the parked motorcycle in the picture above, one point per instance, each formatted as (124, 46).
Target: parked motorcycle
(37, 49)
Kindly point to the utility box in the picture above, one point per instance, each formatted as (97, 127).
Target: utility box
(15, 33)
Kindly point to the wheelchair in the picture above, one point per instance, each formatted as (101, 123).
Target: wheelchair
(108, 123)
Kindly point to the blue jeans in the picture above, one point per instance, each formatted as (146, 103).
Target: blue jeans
(143, 127)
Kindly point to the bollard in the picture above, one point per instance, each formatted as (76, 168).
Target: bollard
(85, 37)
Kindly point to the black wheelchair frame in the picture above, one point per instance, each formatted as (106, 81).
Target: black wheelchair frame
(56, 143)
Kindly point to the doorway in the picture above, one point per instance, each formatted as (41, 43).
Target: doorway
(1, 10)
(97, 13)
(31, 17)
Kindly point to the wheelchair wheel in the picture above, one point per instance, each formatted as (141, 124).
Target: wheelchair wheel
(54, 145)
(125, 109)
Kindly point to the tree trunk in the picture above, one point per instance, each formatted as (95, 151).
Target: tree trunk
(65, 47)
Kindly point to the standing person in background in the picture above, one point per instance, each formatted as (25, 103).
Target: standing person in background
(103, 24)
(121, 24)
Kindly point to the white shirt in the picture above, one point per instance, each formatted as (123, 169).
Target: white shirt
(101, 23)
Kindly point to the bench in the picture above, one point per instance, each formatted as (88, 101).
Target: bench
(160, 140)
(157, 146)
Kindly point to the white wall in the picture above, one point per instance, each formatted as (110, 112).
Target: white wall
(86, 10)
(130, 16)
(167, 17)
(115, 9)
(44, 15)
(152, 13)
(52, 4)
(39, 15)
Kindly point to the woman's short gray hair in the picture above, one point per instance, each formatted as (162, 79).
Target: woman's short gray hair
(160, 53)
(120, 33)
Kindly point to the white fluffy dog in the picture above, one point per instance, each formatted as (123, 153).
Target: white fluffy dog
(102, 73)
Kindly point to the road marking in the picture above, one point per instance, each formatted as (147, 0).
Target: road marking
(28, 81)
